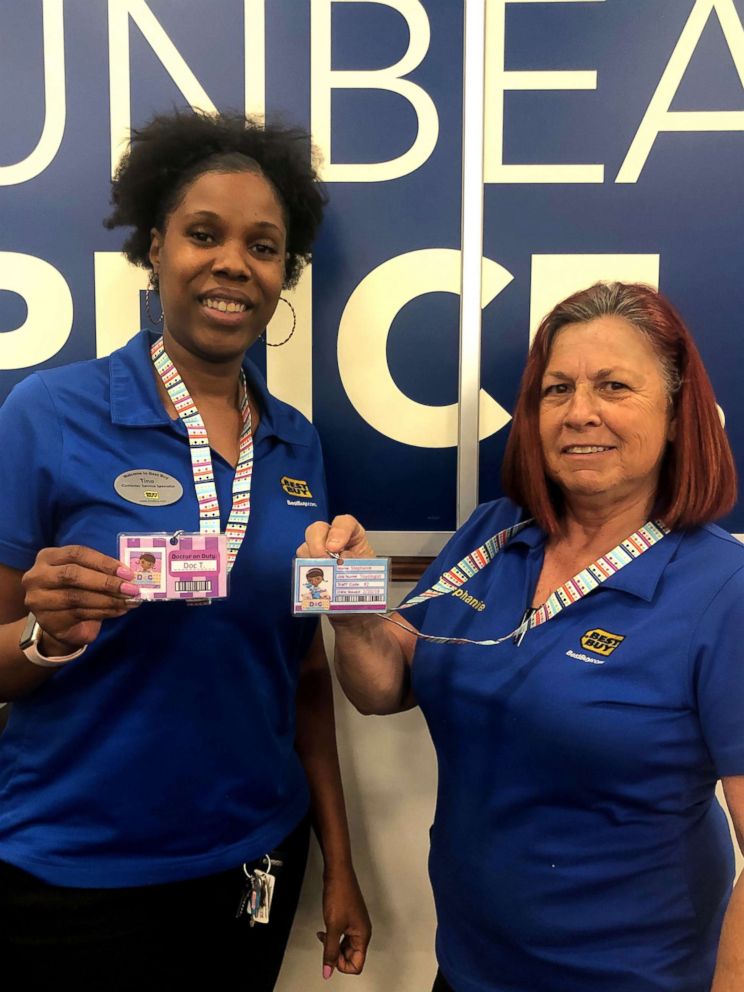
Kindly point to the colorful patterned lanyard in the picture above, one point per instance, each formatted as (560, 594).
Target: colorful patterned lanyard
(201, 458)
(570, 592)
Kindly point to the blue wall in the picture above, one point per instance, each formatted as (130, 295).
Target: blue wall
(684, 206)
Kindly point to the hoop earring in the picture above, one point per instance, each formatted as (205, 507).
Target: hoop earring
(149, 311)
(283, 299)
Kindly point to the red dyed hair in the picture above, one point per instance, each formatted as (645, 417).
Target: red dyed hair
(697, 483)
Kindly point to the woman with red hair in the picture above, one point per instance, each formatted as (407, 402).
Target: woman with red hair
(584, 691)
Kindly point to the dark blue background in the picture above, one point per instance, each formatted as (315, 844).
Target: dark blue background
(686, 206)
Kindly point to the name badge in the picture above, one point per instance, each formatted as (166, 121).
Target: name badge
(351, 585)
(146, 487)
(183, 565)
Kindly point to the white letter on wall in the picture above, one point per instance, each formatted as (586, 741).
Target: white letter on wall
(46, 293)
(54, 102)
(324, 80)
(362, 347)
(173, 62)
(498, 80)
(117, 287)
(254, 30)
(554, 277)
(658, 116)
(289, 368)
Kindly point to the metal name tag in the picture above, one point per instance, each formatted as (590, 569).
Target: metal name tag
(146, 487)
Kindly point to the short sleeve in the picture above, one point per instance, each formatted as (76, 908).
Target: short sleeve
(485, 521)
(718, 671)
(31, 453)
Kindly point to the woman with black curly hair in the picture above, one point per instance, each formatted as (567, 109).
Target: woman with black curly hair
(160, 759)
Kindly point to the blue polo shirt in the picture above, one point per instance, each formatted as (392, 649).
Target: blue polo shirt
(577, 843)
(167, 750)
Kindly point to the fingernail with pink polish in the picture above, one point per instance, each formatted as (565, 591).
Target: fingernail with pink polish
(327, 971)
(129, 589)
(124, 573)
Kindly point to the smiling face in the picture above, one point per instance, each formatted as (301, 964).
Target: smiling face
(605, 414)
(220, 264)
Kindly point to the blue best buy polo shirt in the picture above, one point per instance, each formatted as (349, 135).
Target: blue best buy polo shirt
(577, 844)
(167, 750)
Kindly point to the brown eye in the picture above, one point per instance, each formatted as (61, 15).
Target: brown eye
(264, 248)
(556, 389)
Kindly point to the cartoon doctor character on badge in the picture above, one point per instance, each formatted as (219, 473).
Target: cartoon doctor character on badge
(147, 567)
(314, 590)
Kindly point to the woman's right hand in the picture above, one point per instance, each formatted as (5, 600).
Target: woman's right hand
(372, 657)
(72, 590)
(345, 536)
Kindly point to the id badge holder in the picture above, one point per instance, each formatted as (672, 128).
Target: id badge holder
(186, 566)
(344, 586)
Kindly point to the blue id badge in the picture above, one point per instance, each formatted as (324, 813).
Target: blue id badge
(348, 585)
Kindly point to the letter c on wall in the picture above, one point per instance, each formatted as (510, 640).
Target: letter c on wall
(362, 347)
(49, 322)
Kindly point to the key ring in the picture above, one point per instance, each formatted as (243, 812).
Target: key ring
(271, 861)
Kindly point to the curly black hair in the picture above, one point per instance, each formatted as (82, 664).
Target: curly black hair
(172, 150)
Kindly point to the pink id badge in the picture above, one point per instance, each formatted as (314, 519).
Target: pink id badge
(177, 566)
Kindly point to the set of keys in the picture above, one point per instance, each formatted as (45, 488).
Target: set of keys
(258, 891)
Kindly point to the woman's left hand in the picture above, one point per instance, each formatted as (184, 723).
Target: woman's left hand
(348, 928)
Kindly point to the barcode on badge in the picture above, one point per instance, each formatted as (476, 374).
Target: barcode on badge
(341, 598)
(194, 585)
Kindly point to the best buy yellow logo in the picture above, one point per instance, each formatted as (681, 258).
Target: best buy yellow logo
(601, 641)
(296, 487)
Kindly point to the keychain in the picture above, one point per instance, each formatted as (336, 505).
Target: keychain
(258, 892)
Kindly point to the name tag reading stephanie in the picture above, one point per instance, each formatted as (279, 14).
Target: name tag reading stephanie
(350, 585)
(177, 566)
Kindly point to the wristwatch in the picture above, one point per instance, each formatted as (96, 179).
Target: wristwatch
(29, 644)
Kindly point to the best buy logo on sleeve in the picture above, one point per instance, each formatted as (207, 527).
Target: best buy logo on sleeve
(601, 641)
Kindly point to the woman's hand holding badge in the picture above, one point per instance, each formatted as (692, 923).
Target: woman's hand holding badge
(344, 537)
(372, 658)
(72, 590)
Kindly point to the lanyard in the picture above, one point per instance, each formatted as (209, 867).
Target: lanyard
(201, 457)
(564, 596)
